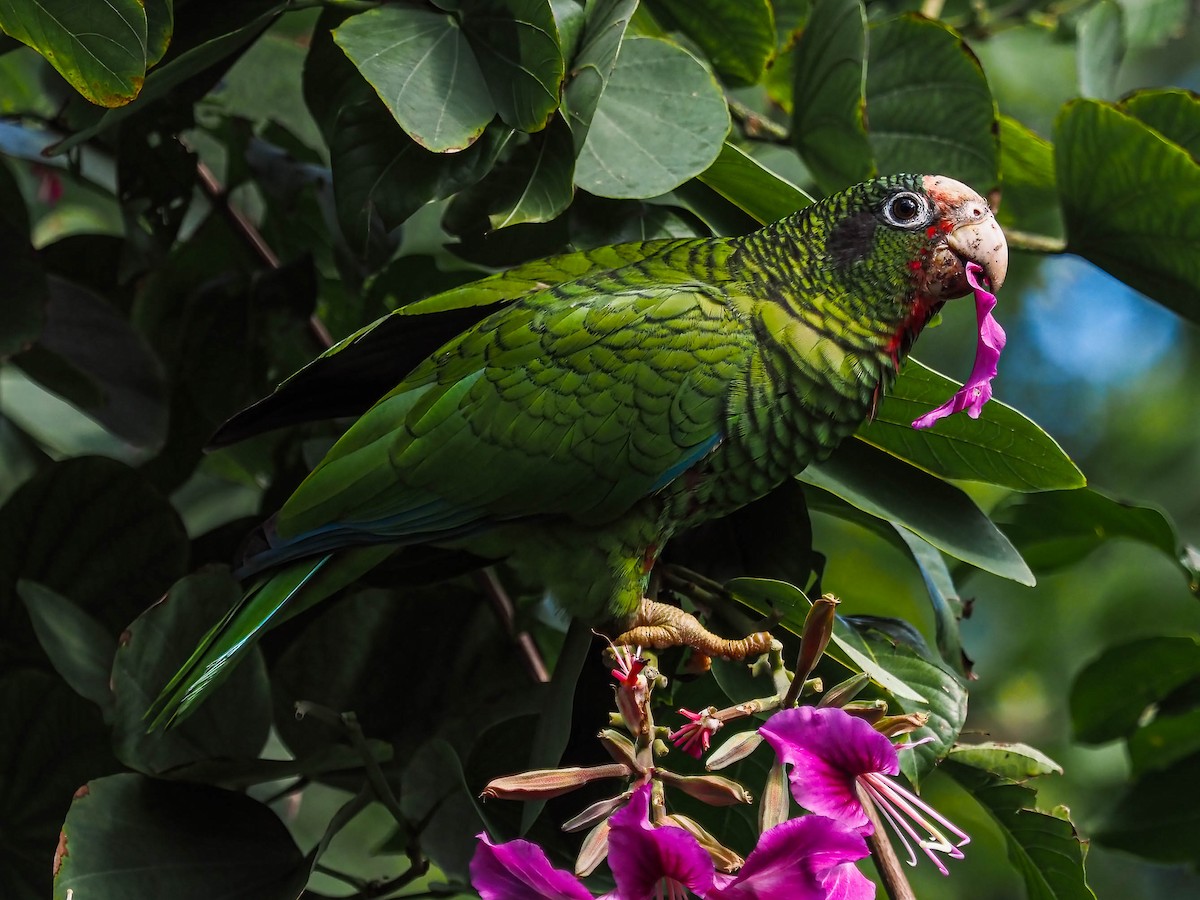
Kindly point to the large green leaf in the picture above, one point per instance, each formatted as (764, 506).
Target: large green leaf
(1127, 192)
(953, 131)
(828, 94)
(423, 68)
(516, 45)
(1061, 528)
(160, 23)
(132, 836)
(51, 742)
(1157, 816)
(1043, 846)
(1029, 197)
(1017, 762)
(592, 66)
(738, 38)
(100, 48)
(1175, 114)
(1101, 48)
(945, 701)
(91, 529)
(943, 597)
(233, 723)
(661, 120)
(742, 180)
(1001, 447)
(890, 489)
(1113, 692)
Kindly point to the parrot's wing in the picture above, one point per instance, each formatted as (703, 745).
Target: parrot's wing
(557, 405)
(351, 375)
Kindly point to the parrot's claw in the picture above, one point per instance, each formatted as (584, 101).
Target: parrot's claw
(659, 626)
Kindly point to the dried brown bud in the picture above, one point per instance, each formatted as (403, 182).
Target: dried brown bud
(843, 692)
(600, 810)
(711, 789)
(737, 748)
(542, 784)
(775, 805)
(723, 858)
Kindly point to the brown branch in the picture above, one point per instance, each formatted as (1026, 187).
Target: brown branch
(887, 863)
(506, 612)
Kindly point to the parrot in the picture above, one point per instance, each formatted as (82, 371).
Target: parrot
(599, 402)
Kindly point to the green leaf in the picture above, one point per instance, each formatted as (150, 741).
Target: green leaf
(1164, 741)
(1149, 23)
(516, 45)
(742, 180)
(79, 648)
(1112, 693)
(233, 723)
(943, 597)
(24, 280)
(91, 529)
(828, 94)
(160, 24)
(423, 68)
(1157, 817)
(1029, 198)
(738, 38)
(1175, 114)
(1101, 49)
(889, 489)
(955, 132)
(128, 835)
(1122, 184)
(1015, 762)
(381, 176)
(124, 383)
(643, 140)
(51, 742)
(592, 66)
(100, 48)
(1060, 528)
(435, 793)
(1001, 447)
(1044, 847)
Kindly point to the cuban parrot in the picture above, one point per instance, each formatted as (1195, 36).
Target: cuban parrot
(602, 401)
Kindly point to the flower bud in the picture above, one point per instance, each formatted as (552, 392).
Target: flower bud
(619, 747)
(711, 789)
(734, 750)
(593, 851)
(723, 858)
(894, 726)
(775, 805)
(818, 627)
(845, 691)
(542, 784)
(872, 710)
(600, 810)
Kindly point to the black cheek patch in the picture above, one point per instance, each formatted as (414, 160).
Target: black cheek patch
(852, 238)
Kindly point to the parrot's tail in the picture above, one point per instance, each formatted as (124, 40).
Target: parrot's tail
(269, 602)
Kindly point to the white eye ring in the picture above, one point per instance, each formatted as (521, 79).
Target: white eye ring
(906, 210)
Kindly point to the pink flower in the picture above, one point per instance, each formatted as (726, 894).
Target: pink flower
(978, 390)
(695, 737)
(833, 755)
(811, 858)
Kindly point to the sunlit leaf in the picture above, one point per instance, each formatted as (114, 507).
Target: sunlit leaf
(423, 68)
(100, 48)
(1175, 114)
(744, 181)
(633, 148)
(592, 66)
(738, 38)
(1016, 762)
(1029, 196)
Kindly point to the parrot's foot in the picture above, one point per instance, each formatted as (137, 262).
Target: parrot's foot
(659, 626)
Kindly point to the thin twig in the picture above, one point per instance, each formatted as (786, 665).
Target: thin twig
(1035, 243)
(887, 863)
(246, 230)
(506, 612)
(756, 126)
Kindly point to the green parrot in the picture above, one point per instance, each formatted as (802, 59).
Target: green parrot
(602, 401)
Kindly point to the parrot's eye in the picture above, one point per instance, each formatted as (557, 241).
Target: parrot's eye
(905, 209)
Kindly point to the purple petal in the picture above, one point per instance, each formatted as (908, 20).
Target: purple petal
(809, 857)
(828, 749)
(519, 870)
(641, 855)
(971, 397)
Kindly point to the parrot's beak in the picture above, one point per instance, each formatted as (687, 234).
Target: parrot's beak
(973, 236)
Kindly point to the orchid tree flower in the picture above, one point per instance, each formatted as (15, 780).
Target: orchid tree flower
(809, 858)
(836, 759)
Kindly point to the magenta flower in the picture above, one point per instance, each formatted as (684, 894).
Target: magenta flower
(811, 858)
(695, 737)
(833, 755)
(978, 390)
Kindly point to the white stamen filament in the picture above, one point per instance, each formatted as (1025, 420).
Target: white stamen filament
(892, 800)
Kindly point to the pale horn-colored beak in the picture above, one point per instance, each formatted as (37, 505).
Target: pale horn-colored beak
(983, 242)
